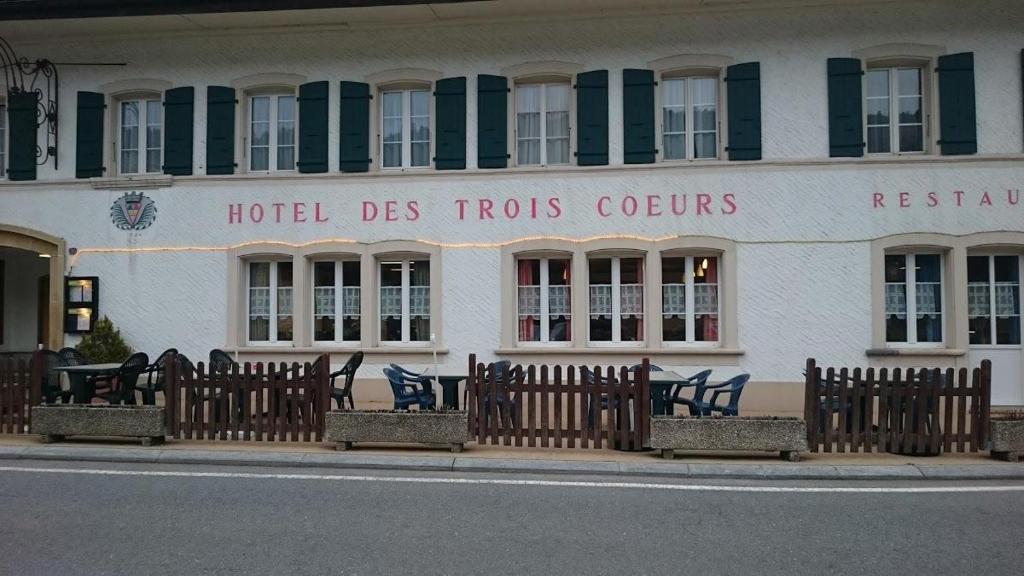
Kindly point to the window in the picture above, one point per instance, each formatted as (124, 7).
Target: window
(272, 132)
(404, 301)
(895, 110)
(544, 287)
(993, 292)
(140, 126)
(542, 124)
(616, 299)
(916, 320)
(336, 301)
(270, 302)
(405, 118)
(3, 140)
(689, 118)
(689, 299)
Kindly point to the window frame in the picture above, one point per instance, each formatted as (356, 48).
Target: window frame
(406, 89)
(406, 329)
(691, 321)
(910, 281)
(928, 114)
(543, 82)
(616, 294)
(143, 98)
(338, 286)
(274, 93)
(687, 74)
(274, 315)
(990, 256)
(545, 314)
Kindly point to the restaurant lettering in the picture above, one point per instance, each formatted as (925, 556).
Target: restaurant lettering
(955, 199)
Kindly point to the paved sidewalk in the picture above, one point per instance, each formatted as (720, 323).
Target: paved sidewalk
(521, 460)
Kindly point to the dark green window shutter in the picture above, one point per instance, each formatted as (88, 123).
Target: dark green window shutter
(21, 116)
(355, 127)
(179, 115)
(220, 130)
(492, 121)
(958, 126)
(592, 118)
(450, 104)
(845, 108)
(313, 127)
(638, 116)
(743, 83)
(89, 136)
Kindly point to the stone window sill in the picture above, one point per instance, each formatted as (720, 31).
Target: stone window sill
(903, 352)
(610, 351)
(396, 350)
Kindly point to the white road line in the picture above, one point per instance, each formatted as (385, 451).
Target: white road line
(511, 482)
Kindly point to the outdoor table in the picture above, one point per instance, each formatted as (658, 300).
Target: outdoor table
(661, 391)
(78, 376)
(448, 379)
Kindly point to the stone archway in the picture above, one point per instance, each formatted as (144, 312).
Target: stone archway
(54, 248)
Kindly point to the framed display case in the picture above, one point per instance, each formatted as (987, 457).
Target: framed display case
(81, 303)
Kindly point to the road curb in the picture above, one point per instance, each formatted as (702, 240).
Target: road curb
(657, 468)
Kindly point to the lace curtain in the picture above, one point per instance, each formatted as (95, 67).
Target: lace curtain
(979, 299)
(928, 298)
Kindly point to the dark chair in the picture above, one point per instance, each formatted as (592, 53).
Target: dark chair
(220, 361)
(122, 384)
(698, 381)
(349, 372)
(72, 357)
(51, 378)
(408, 391)
(504, 375)
(155, 377)
(733, 387)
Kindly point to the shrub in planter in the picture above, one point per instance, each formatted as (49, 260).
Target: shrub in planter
(1006, 431)
(788, 436)
(442, 428)
(104, 345)
(55, 421)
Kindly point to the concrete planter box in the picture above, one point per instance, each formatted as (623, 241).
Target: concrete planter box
(55, 421)
(1007, 438)
(441, 429)
(788, 436)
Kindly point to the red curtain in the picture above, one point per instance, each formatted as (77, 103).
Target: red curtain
(526, 331)
(710, 332)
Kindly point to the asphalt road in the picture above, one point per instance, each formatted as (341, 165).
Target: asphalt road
(151, 519)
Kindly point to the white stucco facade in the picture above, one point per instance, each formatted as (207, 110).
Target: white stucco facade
(804, 229)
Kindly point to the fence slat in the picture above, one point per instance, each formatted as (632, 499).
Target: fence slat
(844, 410)
(884, 413)
(558, 405)
(829, 395)
(856, 399)
(961, 409)
(975, 437)
(934, 410)
(867, 438)
(571, 400)
(906, 410)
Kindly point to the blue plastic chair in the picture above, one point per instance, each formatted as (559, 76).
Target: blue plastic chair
(698, 382)
(426, 381)
(503, 375)
(408, 391)
(733, 387)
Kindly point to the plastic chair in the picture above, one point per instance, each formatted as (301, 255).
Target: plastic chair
(733, 387)
(155, 377)
(122, 384)
(408, 391)
(51, 379)
(698, 381)
(220, 361)
(349, 372)
(72, 357)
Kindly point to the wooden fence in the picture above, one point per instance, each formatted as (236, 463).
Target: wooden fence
(559, 407)
(17, 394)
(249, 402)
(912, 411)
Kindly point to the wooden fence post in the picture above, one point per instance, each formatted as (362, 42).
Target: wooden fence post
(986, 402)
(471, 396)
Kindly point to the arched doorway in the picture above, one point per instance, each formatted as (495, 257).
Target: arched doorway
(31, 289)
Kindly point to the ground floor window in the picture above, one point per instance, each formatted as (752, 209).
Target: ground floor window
(270, 302)
(993, 295)
(336, 301)
(616, 290)
(689, 299)
(544, 289)
(404, 300)
(913, 298)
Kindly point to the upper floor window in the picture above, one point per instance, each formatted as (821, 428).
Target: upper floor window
(689, 118)
(336, 301)
(270, 302)
(616, 299)
(913, 298)
(140, 124)
(895, 110)
(544, 287)
(404, 300)
(542, 124)
(405, 134)
(689, 298)
(993, 299)
(272, 120)
(3, 140)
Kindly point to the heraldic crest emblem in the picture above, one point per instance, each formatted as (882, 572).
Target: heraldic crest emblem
(133, 211)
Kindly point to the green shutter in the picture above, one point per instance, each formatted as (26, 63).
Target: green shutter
(313, 127)
(492, 121)
(179, 114)
(21, 115)
(220, 130)
(592, 118)
(958, 127)
(845, 108)
(355, 127)
(638, 116)
(743, 82)
(89, 135)
(450, 104)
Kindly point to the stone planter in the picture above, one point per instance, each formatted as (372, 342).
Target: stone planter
(440, 429)
(55, 421)
(788, 436)
(1007, 438)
